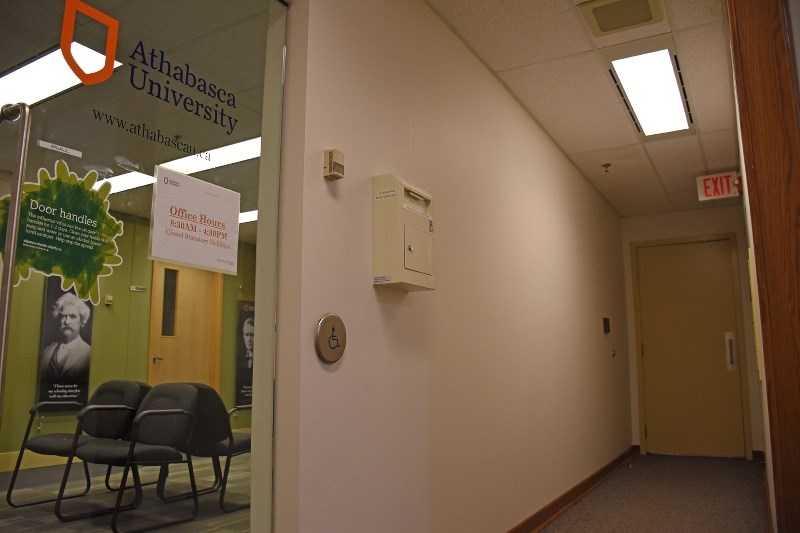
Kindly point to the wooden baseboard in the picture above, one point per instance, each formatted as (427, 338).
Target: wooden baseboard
(551, 511)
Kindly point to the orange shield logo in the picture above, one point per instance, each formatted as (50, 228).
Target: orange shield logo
(71, 8)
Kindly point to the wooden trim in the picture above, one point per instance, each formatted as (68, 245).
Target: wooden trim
(554, 509)
(634, 259)
(767, 96)
(743, 363)
(216, 334)
(187, 319)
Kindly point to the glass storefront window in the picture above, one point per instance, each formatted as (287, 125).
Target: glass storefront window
(180, 85)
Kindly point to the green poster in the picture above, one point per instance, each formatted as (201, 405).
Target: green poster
(65, 230)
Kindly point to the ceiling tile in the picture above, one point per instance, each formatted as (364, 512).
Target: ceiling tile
(512, 33)
(689, 13)
(678, 161)
(648, 205)
(574, 99)
(721, 150)
(684, 201)
(704, 56)
(630, 173)
(568, 91)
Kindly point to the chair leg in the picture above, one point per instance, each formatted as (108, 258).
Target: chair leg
(137, 485)
(163, 473)
(68, 518)
(108, 480)
(115, 489)
(223, 488)
(37, 502)
(195, 508)
(162, 483)
(19, 463)
(217, 473)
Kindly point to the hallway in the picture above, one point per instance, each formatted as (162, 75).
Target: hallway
(659, 493)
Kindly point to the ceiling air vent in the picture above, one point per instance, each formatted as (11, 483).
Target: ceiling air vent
(610, 16)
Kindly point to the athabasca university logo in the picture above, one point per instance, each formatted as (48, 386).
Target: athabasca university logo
(71, 9)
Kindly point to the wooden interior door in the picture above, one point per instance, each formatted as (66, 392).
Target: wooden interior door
(691, 354)
(184, 325)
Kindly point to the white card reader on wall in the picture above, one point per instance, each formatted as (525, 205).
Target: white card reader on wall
(402, 235)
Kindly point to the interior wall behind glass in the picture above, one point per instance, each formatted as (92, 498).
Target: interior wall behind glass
(119, 340)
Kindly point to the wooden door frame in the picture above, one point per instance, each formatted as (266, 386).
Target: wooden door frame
(769, 117)
(743, 363)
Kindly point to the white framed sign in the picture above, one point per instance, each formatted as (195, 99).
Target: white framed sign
(194, 222)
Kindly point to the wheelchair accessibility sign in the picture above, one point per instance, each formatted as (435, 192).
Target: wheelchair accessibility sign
(331, 338)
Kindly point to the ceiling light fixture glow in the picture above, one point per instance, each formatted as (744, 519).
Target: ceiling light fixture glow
(47, 76)
(125, 182)
(652, 89)
(248, 216)
(218, 157)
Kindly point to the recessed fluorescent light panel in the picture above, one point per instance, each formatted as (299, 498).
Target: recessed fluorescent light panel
(47, 76)
(651, 87)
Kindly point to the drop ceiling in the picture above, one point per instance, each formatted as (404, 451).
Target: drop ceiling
(545, 53)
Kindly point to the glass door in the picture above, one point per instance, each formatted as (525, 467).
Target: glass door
(128, 99)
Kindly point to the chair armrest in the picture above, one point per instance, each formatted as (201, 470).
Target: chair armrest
(90, 408)
(51, 403)
(155, 412)
(134, 434)
(232, 412)
(33, 410)
(238, 408)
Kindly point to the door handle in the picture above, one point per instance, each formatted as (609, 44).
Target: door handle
(157, 358)
(730, 350)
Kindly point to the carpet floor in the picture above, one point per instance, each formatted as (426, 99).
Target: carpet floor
(666, 494)
(648, 494)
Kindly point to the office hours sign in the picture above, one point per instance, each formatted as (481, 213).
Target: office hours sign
(194, 223)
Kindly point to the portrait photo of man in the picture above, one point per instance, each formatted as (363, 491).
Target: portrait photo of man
(64, 361)
(244, 353)
(248, 336)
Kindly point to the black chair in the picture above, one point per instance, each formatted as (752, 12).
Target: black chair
(159, 436)
(213, 438)
(109, 424)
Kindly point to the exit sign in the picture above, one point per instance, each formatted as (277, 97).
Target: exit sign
(717, 186)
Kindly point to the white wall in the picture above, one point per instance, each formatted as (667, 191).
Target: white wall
(470, 407)
(689, 224)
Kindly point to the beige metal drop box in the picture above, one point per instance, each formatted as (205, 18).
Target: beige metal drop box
(402, 235)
